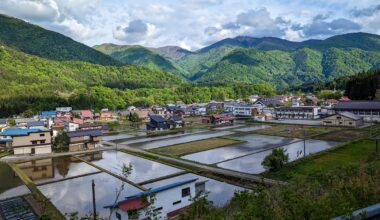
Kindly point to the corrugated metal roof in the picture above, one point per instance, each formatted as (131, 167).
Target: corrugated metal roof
(35, 123)
(20, 131)
(358, 105)
(350, 115)
(157, 118)
(92, 133)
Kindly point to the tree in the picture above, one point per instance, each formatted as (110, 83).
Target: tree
(276, 160)
(61, 141)
(134, 117)
(28, 113)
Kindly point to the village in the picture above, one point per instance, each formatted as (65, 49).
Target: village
(171, 152)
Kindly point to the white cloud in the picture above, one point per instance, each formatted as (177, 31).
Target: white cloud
(194, 24)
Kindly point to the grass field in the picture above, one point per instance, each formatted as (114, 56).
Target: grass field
(296, 131)
(353, 152)
(195, 146)
(344, 135)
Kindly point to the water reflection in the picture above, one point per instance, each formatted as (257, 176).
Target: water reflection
(10, 185)
(75, 195)
(53, 169)
(142, 169)
(254, 143)
(252, 163)
(252, 128)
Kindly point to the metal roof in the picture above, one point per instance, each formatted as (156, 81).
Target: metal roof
(21, 131)
(157, 118)
(350, 115)
(15, 209)
(35, 123)
(358, 105)
(80, 133)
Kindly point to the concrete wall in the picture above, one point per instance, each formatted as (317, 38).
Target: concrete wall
(338, 120)
(42, 149)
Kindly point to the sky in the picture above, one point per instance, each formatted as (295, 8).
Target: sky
(193, 24)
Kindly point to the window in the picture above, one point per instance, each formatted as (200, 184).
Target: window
(177, 202)
(118, 216)
(350, 123)
(34, 142)
(338, 117)
(42, 141)
(42, 135)
(186, 192)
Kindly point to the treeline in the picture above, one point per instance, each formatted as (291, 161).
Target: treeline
(364, 85)
(98, 97)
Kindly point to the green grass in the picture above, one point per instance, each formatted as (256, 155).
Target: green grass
(353, 152)
(195, 146)
(5, 153)
(295, 131)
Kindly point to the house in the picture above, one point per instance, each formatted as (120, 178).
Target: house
(240, 109)
(70, 126)
(170, 200)
(311, 100)
(27, 141)
(346, 119)
(157, 123)
(56, 129)
(94, 126)
(344, 99)
(36, 124)
(23, 122)
(48, 114)
(160, 110)
(253, 98)
(84, 139)
(215, 106)
(175, 121)
(217, 119)
(3, 123)
(267, 103)
(63, 111)
(142, 113)
(301, 112)
(85, 115)
(330, 103)
(106, 116)
(369, 110)
(198, 110)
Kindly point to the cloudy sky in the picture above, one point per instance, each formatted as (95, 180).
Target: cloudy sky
(193, 24)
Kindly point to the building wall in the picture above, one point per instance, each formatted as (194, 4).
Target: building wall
(338, 120)
(44, 149)
(368, 115)
(165, 199)
(38, 169)
(27, 140)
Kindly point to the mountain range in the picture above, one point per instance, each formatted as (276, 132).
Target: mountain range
(282, 63)
(286, 64)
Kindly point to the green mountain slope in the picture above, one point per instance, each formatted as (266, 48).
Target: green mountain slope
(138, 55)
(171, 52)
(35, 40)
(289, 69)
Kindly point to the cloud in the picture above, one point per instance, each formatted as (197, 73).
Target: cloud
(320, 28)
(136, 31)
(366, 12)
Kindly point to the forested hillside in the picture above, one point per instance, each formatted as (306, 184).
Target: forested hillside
(35, 40)
(364, 85)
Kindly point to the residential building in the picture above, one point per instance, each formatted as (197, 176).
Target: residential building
(27, 141)
(23, 122)
(215, 106)
(311, 100)
(344, 99)
(85, 115)
(346, 119)
(94, 126)
(106, 116)
(3, 123)
(176, 121)
(63, 111)
(268, 103)
(143, 113)
(71, 126)
(369, 110)
(170, 200)
(253, 98)
(301, 112)
(36, 124)
(198, 110)
(48, 114)
(157, 123)
(84, 139)
(160, 110)
(217, 119)
(240, 109)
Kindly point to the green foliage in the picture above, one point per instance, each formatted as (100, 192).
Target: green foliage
(276, 160)
(329, 94)
(364, 85)
(138, 55)
(134, 117)
(28, 113)
(35, 40)
(61, 142)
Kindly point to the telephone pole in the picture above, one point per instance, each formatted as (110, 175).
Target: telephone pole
(93, 199)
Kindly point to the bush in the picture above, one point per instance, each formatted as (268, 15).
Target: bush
(276, 160)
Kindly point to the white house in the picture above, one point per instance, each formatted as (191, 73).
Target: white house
(169, 201)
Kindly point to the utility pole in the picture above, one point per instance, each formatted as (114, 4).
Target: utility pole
(304, 141)
(93, 199)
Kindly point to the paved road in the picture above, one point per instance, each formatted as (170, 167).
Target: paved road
(231, 173)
